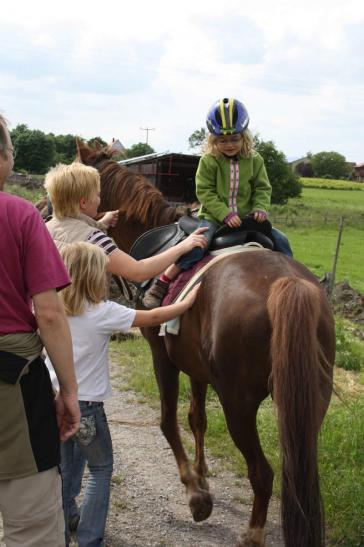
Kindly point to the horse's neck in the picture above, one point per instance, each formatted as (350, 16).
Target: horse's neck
(128, 231)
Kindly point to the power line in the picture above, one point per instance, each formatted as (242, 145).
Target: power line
(147, 129)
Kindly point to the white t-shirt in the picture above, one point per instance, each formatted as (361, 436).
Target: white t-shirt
(91, 333)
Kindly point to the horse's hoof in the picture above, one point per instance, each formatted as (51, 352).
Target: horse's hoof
(201, 505)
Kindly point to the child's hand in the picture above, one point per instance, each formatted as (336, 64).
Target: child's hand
(234, 221)
(191, 297)
(110, 218)
(259, 216)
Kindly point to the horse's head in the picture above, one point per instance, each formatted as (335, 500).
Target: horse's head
(91, 155)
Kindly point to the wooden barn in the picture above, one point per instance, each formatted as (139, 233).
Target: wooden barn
(359, 172)
(173, 174)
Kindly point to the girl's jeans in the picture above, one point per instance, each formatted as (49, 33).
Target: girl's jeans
(94, 441)
(187, 260)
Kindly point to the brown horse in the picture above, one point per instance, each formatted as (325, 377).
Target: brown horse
(260, 325)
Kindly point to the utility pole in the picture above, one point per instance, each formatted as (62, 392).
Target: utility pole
(147, 129)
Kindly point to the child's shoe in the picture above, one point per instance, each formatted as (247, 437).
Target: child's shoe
(155, 294)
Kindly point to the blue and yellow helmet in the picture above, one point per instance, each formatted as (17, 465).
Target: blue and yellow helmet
(226, 117)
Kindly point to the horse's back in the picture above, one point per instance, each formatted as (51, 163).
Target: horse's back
(227, 332)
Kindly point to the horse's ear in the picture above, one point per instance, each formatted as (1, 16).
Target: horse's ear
(83, 151)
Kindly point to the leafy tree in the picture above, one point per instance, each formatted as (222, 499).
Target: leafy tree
(330, 164)
(65, 148)
(35, 150)
(197, 138)
(96, 140)
(140, 149)
(285, 183)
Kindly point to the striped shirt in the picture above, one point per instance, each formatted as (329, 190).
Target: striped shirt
(102, 240)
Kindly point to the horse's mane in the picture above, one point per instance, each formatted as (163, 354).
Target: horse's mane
(136, 197)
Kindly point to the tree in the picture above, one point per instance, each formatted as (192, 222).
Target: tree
(197, 139)
(96, 141)
(285, 183)
(35, 150)
(330, 164)
(66, 149)
(140, 149)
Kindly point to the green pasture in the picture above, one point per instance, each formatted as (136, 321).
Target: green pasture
(329, 184)
(312, 224)
(341, 445)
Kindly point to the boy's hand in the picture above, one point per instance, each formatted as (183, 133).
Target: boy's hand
(234, 221)
(196, 239)
(259, 216)
(110, 218)
(191, 297)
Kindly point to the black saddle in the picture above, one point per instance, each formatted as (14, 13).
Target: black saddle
(249, 231)
(159, 239)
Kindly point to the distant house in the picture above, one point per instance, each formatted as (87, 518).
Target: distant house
(302, 167)
(173, 174)
(359, 172)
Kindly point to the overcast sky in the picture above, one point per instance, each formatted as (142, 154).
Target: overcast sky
(110, 68)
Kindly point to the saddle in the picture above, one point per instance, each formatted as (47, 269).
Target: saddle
(160, 239)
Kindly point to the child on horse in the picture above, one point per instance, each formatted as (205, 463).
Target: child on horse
(92, 321)
(231, 182)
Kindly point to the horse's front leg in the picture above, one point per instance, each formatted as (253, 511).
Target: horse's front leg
(198, 424)
(200, 500)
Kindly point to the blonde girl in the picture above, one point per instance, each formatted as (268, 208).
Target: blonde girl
(92, 321)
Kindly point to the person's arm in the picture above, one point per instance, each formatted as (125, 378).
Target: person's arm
(55, 334)
(122, 264)
(151, 318)
(206, 188)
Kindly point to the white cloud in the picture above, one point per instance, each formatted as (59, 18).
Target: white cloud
(110, 69)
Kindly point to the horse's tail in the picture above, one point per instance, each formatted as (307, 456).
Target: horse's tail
(294, 310)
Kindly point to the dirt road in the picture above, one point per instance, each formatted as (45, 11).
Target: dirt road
(148, 503)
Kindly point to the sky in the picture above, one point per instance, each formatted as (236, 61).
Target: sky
(111, 69)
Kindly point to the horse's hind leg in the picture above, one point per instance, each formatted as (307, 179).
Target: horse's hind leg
(243, 429)
(200, 500)
(198, 424)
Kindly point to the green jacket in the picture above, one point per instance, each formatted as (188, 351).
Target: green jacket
(225, 185)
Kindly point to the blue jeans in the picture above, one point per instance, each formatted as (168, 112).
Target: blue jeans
(186, 261)
(94, 441)
(78, 467)
(281, 242)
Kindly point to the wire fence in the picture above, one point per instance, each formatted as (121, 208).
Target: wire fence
(333, 220)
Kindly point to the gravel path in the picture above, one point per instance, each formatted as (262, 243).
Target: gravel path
(148, 503)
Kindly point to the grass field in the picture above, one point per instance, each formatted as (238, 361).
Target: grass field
(312, 225)
(331, 184)
(341, 446)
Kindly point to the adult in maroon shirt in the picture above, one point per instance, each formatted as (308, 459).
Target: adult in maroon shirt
(32, 421)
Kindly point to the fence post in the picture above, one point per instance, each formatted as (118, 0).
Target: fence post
(333, 273)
